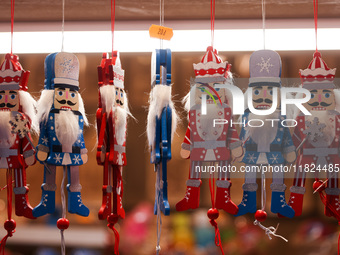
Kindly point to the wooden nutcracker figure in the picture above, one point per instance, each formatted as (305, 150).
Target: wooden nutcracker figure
(112, 116)
(269, 144)
(317, 136)
(204, 143)
(17, 111)
(61, 117)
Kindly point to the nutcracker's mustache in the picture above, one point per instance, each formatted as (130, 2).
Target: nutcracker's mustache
(317, 104)
(7, 105)
(119, 102)
(260, 100)
(66, 102)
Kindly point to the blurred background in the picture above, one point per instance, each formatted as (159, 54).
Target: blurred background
(182, 233)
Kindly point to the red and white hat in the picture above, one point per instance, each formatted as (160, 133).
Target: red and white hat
(318, 75)
(110, 71)
(211, 68)
(12, 75)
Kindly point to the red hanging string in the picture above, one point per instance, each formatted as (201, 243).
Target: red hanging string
(315, 5)
(115, 231)
(12, 23)
(10, 223)
(113, 15)
(212, 220)
(212, 21)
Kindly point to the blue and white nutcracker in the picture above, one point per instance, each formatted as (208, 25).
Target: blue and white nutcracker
(266, 141)
(61, 116)
(162, 121)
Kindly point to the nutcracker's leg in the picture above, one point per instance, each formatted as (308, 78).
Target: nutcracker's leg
(75, 204)
(118, 191)
(332, 195)
(278, 203)
(297, 190)
(248, 204)
(105, 209)
(22, 205)
(192, 195)
(47, 203)
(223, 183)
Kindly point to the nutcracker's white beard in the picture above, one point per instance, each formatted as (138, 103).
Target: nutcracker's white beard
(67, 127)
(6, 137)
(120, 124)
(264, 134)
(108, 97)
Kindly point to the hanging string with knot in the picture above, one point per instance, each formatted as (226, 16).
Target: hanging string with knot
(9, 223)
(214, 216)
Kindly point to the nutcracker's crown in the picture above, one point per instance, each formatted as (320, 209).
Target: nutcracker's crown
(12, 75)
(317, 75)
(211, 68)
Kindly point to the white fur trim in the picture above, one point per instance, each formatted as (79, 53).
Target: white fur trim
(160, 97)
(44, 105)
(108, 97)
(29, 105)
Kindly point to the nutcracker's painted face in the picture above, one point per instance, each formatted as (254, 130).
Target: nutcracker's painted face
(262, 97)
(321, 100)
(66, 99)
(119, 97)
(212, 93)
(9, 100)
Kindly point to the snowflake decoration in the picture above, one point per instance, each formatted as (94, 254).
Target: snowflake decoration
(44, 140)
(265, 65)
(76, 159)
(67, 67)
(19, 126)
(57, 158)
(274, 158)
(286, 141)
(314, 130)
(251, 158)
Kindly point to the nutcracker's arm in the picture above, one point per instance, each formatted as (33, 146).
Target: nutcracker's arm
(186, 145)
(101, 128)
(43, 143)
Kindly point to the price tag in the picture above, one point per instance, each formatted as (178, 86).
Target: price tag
(161, 32)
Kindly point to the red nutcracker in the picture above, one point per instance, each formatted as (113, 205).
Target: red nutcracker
(112, 116)
(317, 136)
(205, 143)
(17, 114)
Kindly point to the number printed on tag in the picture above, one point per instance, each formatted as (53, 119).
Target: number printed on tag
(161, 32)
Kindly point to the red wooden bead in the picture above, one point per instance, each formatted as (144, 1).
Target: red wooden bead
(213, 213)
(112, 218)
(260, 215)
(317, 184)
(10, 225)
(63, 223)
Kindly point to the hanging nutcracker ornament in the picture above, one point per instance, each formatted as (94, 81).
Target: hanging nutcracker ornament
(269, 144)
(161, 121)
(111, 125)
(207, 145)
(317, 135)
(17, 111)
(62, 118)
(111, 118)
